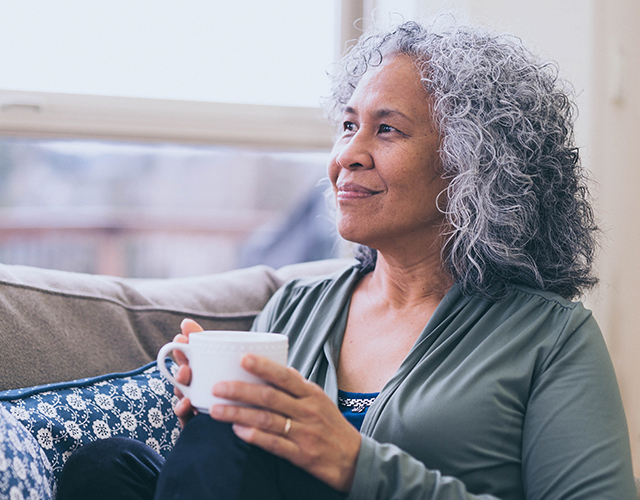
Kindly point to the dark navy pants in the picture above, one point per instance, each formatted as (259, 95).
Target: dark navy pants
(208, 462)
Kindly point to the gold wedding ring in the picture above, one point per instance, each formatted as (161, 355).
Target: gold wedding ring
(287, 426)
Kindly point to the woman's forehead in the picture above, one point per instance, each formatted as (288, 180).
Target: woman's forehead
(394, 85)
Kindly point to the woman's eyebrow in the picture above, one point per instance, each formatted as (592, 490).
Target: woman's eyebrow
(384, 112)
(380, 113)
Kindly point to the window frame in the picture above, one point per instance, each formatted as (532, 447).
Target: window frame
(51, 115)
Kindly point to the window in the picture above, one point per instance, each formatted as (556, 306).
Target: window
(153, 211)
(138, 69)
(164, 139)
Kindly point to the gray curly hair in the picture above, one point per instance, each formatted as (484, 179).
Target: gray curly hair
(518, 208)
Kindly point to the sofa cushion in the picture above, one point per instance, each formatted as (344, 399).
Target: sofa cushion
(57, 326)
(62, 417)
(25, 471)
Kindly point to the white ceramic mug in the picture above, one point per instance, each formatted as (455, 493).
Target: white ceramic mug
(214, 356)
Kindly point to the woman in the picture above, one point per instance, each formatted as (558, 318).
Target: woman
(455, 170)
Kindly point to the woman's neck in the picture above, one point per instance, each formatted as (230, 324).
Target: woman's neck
(389, 309)
(408, 283)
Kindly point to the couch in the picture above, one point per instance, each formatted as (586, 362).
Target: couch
(78, 358)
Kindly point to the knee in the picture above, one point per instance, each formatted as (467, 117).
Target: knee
(111, 468)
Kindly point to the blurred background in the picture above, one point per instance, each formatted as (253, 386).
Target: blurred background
(168, 138)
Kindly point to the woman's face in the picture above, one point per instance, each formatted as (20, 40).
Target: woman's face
(385, 167)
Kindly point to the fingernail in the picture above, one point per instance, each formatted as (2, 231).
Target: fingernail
(240, 430)
(216, 411)
(249, 361)
(221, 389)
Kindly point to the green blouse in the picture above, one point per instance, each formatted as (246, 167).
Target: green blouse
(513, 400)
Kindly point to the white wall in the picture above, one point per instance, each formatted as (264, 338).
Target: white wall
(615, 143)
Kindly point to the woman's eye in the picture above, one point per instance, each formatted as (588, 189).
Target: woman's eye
(348, 126)
(384, 129)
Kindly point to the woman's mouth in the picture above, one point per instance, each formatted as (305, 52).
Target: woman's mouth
(350, 191)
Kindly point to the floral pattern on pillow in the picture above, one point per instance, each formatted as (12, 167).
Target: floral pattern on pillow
(25, 472)
(62, 417)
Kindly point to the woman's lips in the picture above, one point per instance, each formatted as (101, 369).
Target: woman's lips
(350, 191)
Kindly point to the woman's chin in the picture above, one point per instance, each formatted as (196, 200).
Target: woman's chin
(354, 234)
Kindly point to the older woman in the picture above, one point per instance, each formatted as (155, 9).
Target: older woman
(453, 349)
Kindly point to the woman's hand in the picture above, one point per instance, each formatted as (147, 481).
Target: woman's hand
(292, 418)
(183, 408)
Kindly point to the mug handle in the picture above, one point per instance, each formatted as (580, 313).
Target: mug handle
(162, 354)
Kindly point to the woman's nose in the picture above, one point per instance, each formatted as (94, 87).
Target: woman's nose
(355, 153)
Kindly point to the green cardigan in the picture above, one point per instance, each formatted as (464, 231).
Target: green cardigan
(515, 399)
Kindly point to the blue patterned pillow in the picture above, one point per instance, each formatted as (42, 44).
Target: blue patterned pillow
(62, 417)
(25, 472)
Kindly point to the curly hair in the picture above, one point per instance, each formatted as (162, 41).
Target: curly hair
(518, 209)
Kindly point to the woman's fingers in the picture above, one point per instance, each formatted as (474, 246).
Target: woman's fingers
(184, 375)
(183, 408)
(184, 411)
(187, 326)
(273, 443)
(256, 395)
(266, 397)
(287, 379)
(273, 423)
(180, 358)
